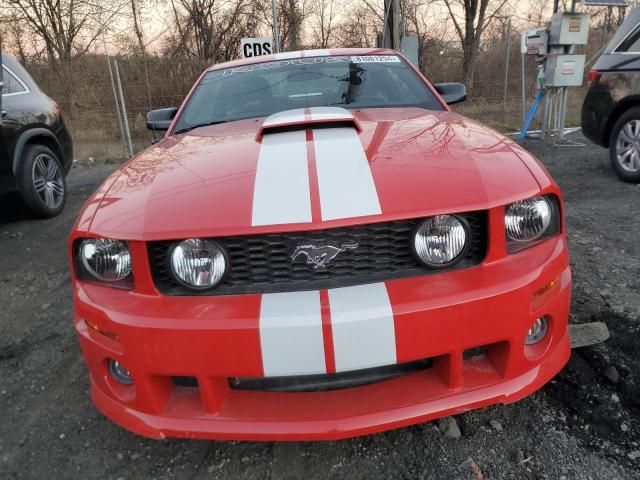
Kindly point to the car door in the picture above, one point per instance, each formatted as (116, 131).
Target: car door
(4, 151)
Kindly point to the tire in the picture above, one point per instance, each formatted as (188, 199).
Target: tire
(41, 181)
(624, 146)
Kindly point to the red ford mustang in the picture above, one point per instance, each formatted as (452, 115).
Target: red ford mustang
(319, 248)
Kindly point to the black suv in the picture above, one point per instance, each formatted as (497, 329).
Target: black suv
(611, 109)
(35, 147)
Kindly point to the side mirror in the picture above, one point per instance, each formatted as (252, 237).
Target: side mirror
(451, 92)
(160, 119)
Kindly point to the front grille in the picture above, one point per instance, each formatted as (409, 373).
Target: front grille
(262, 263)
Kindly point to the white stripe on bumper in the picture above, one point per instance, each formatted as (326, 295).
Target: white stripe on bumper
(281, 193)
(345, 181)
(291, 334)
(362, 326)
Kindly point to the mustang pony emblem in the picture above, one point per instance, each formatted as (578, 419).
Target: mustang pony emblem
(320, 256)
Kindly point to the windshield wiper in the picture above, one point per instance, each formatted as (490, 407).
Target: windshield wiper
(192, 127)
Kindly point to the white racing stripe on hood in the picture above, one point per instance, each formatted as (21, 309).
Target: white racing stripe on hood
(299, 115)
(345, 181)
(281, 193)
(291, 334)
(362, 326)
(285, 117)
(330, 113)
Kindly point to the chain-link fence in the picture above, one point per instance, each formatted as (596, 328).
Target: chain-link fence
(85, 91)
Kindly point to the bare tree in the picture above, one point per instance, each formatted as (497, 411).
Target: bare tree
(293, 16)
(376, 7)
(476, 16)
(211, 29)
(136, 6)
(323, 19)
(12, 33)
(358, 28)
(539, 12)
(419, 20)
(290, 19)
(194, 20)
(67, 28)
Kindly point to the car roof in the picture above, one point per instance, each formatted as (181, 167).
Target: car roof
(302, 54)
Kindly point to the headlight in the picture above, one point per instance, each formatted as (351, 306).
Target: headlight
(440, 240)
(527, 222)
(198, 263)
(528, 219)
(105, 259)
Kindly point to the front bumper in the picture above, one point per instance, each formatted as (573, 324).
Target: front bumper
(438, 317)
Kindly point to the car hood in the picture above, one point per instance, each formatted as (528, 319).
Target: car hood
(207, 182)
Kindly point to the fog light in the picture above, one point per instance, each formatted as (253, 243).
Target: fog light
(119, 372)
(440, 240)
(537, 331)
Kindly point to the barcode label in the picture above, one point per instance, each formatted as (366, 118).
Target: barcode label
(376, 59)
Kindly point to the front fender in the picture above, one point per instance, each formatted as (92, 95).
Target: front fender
(27, 135)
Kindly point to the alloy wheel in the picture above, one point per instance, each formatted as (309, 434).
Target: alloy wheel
(48, 180)
(628, 146)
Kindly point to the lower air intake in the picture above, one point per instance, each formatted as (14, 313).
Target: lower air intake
(329, 381)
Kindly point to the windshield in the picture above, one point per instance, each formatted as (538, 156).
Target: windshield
(261, 89)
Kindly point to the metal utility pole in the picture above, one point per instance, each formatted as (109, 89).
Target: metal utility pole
(506, 69)
(524, 100)
(391, 35)
(125, 121)
(113, 85)
(276, 38)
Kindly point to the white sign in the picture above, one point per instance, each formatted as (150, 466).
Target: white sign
(255, 47)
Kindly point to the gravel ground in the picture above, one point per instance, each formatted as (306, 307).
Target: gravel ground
(585, 424)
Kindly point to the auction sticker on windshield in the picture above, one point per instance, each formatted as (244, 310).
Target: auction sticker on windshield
(375, 59)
